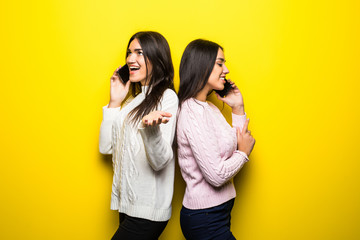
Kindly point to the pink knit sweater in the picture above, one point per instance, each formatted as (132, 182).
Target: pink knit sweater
(207, 154)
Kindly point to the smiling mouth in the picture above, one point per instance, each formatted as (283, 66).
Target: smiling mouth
(133, 69)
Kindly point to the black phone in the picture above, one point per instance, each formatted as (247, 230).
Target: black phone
(124, 73)
(227, 88)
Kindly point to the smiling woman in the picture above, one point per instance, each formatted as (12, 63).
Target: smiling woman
(210, 152)
(138, 132)
(138, 67)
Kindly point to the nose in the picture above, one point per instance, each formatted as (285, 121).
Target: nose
(131, 58)
(225, 69)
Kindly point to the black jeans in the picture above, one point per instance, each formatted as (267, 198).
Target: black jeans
(207, 224)
(132, 228)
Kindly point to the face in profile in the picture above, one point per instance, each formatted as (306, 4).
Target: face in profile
(137, 63)
(217, 77)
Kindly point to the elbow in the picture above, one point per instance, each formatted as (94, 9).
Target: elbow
(157, 168)
(159, 165)
(217, 183)
(104, 150)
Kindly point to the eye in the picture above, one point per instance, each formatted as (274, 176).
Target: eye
(140, 53)
(220, 64)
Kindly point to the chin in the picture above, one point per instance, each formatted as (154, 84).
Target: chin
(134, 80)
(220, 87)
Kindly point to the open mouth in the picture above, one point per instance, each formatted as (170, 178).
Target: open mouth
(133, 69)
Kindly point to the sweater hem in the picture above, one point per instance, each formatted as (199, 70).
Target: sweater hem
(211, 199)
(146, 212)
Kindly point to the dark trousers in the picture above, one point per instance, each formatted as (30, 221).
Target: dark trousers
(132, 228)
(207, 224)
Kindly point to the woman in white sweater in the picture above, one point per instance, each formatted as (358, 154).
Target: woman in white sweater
(138, 130)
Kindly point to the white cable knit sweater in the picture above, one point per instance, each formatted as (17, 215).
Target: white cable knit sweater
(143, 159)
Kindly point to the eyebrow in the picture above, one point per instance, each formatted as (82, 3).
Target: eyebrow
(221, 59)
(136, 49)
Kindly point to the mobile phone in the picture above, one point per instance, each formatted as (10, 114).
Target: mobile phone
(124, 73)
(227, 88)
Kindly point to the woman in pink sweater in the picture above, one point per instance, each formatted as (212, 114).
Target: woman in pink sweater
(210, 151)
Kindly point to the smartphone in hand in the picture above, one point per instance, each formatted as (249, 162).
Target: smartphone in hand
(227, 88)
(124, 73)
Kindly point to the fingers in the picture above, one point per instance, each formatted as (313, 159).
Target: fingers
(244, 130)
(238, 132)
(232, 83)
(154, 122)
(218, 97)
(127, 85)
(115, 77)
(115, 74)
(234, 87)
(164, 114)
(156, 118)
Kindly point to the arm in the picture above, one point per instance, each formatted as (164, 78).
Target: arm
(235, 100)
(158, 138)
(118, 93)
(105, 140)
(238, 121)
(199, 130)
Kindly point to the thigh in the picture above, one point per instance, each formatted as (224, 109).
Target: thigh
(132, 228)
(194, 224)
(205, 224)
(220, 221)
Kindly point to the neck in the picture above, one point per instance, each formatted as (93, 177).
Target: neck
(202, 95)
(145, 82)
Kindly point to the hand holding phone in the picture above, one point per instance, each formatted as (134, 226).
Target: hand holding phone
(123, 72)
(118, 87)
(225, 91)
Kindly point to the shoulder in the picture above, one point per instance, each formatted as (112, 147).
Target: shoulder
(169, 96)
(169, 99)
(193, 109)
(213, 107)
(196, 106)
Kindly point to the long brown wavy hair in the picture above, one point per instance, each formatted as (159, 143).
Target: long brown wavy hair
(156, 50)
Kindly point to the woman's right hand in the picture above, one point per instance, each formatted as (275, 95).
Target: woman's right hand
(244, 139)
(118, 90)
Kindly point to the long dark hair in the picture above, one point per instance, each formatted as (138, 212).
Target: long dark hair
(156, 50)
(196, 65)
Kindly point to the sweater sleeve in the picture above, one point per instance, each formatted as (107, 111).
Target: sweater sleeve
(105, 140)
(238, 120)
(199, 130)
(158, 139)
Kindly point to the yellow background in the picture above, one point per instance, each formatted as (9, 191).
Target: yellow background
(296, 62)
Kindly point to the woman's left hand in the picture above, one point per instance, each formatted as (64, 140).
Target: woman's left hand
(156, 118)
(234, 99)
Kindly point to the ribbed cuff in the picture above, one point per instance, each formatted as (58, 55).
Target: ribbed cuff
(243, 154)
(149, 132)
(238, 120)
(110, 113)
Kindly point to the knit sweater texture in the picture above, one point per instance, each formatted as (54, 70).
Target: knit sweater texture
(143, 159)
(207, 154)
